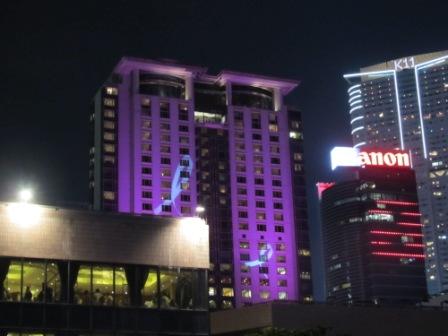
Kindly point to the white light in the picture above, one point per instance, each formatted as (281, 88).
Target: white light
(357, 129)
(397, 95)
(431, 62)
(356, 102)
(419, 103)
(344, 157)
(194, 229)
(355, 108)
(371, 73)
(25, 195)
(356, 119)
(354, 97)
(200, 209)
(359, 144)
(354, 92)
(353, 87)
(24, 215)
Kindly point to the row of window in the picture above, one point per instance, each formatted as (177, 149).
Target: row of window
(247, 294)
(164, 108)
(263, 282)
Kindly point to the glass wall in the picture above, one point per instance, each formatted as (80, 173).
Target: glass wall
(38, 281)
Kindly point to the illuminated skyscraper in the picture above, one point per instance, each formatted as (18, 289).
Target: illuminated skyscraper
(404, 104)
(167, 137)
(372, 234)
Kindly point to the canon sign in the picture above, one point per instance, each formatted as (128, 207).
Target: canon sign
(352, 157)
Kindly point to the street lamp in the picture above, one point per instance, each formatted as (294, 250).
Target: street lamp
(25, 195)
(200, 209)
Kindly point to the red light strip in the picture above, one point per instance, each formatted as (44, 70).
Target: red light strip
(380, 243)
(380, 211)
(416, 214)
(391, 233)
(409, 224)
(413, 245)
(396, 202)
(402, 255)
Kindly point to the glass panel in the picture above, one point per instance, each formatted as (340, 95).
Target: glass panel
(34, 286)
(149, 291)
(168, 287)
(83, 285)
(11, 284)
(53, 281)
(184, 290)
(102, 285)
(121, 288)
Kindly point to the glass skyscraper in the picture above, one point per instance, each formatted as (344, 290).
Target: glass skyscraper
(403, 104)
(167, 137)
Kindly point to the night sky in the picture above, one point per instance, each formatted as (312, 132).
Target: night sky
(55, 55)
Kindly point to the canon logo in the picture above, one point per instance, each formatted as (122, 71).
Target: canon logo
(385, 159)
(353, 157)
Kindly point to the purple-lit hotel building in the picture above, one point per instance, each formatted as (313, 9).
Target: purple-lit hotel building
(168, 137)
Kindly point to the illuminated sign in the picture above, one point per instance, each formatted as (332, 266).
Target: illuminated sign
(353, 157)
(404, 63)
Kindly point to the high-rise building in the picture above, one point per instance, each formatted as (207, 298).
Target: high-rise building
(404, 104)
(373, 235)
(167, 137)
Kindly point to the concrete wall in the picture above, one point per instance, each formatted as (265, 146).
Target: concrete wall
(34, 231)
(353, 321)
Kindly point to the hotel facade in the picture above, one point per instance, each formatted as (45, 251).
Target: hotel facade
(167, 137)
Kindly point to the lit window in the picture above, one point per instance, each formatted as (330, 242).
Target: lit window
(246, 293)
(109, 136)
(282, 283)
(111, 91)
(282, 295)
(246, 281)
(211, 291)
(264, 282)
(281, 270)
(264, 295)
(109, 148)
(109, 195)
(227, 292)
(109, 113)
(109, 102)
(109, 124)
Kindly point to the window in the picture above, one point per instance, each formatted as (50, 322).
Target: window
(242, 214)
(172, 283)
(109, 195)
(146, 182)
(275, 160)
(281, 258)
(185, 210)
(146, 170)
(240, 179)
(244, 245)
(183, 128)
(109, 148)
(279, 228)
(259, 192)
(297, 156)
(185, 163)
(258, 170)
(225, 267)
(185, 198)
(263, 270)
(109, 102)
(273, 128)
(227, 292)
(259, 181)
(109, 136)
(184, 174)
(109, 113)
(256, 136)
(109, 125)
(146, 147)
(240, 169)
(244, 256)
(183, 112)
(166, 184)
(243, 226)
(165, 127)
(282, 295)
(278, 216)
(166, 208)
(273, 138)
(275, 171)
(212, 291)
(261, 227)
(258, 159)
(277, 194)
(246, 281)
(165, 138)
(260, 216)
(184, 140)
(242, 202)
(111, 91)
(165, 149)
(146, 158)
(146, 194)
(278, 206)
(146, 135)
(246, 293)
(260, 204)
(184, 151)
(165, 160)
(241, 191)
(164, 110)
(264, 295)
(282, 283)
(280, 247)
(262, 246)
(264, 282)
(146, 124)
(244, 268)
(145, 102)
(281, 270)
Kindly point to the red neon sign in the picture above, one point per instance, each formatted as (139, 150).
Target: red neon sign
(414, 245)
(380, 243)
(415, 214)
(401, 255)
(392, 233)
(396, 202)
(409, 224)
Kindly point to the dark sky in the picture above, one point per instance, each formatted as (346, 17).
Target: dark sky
(55, 55)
